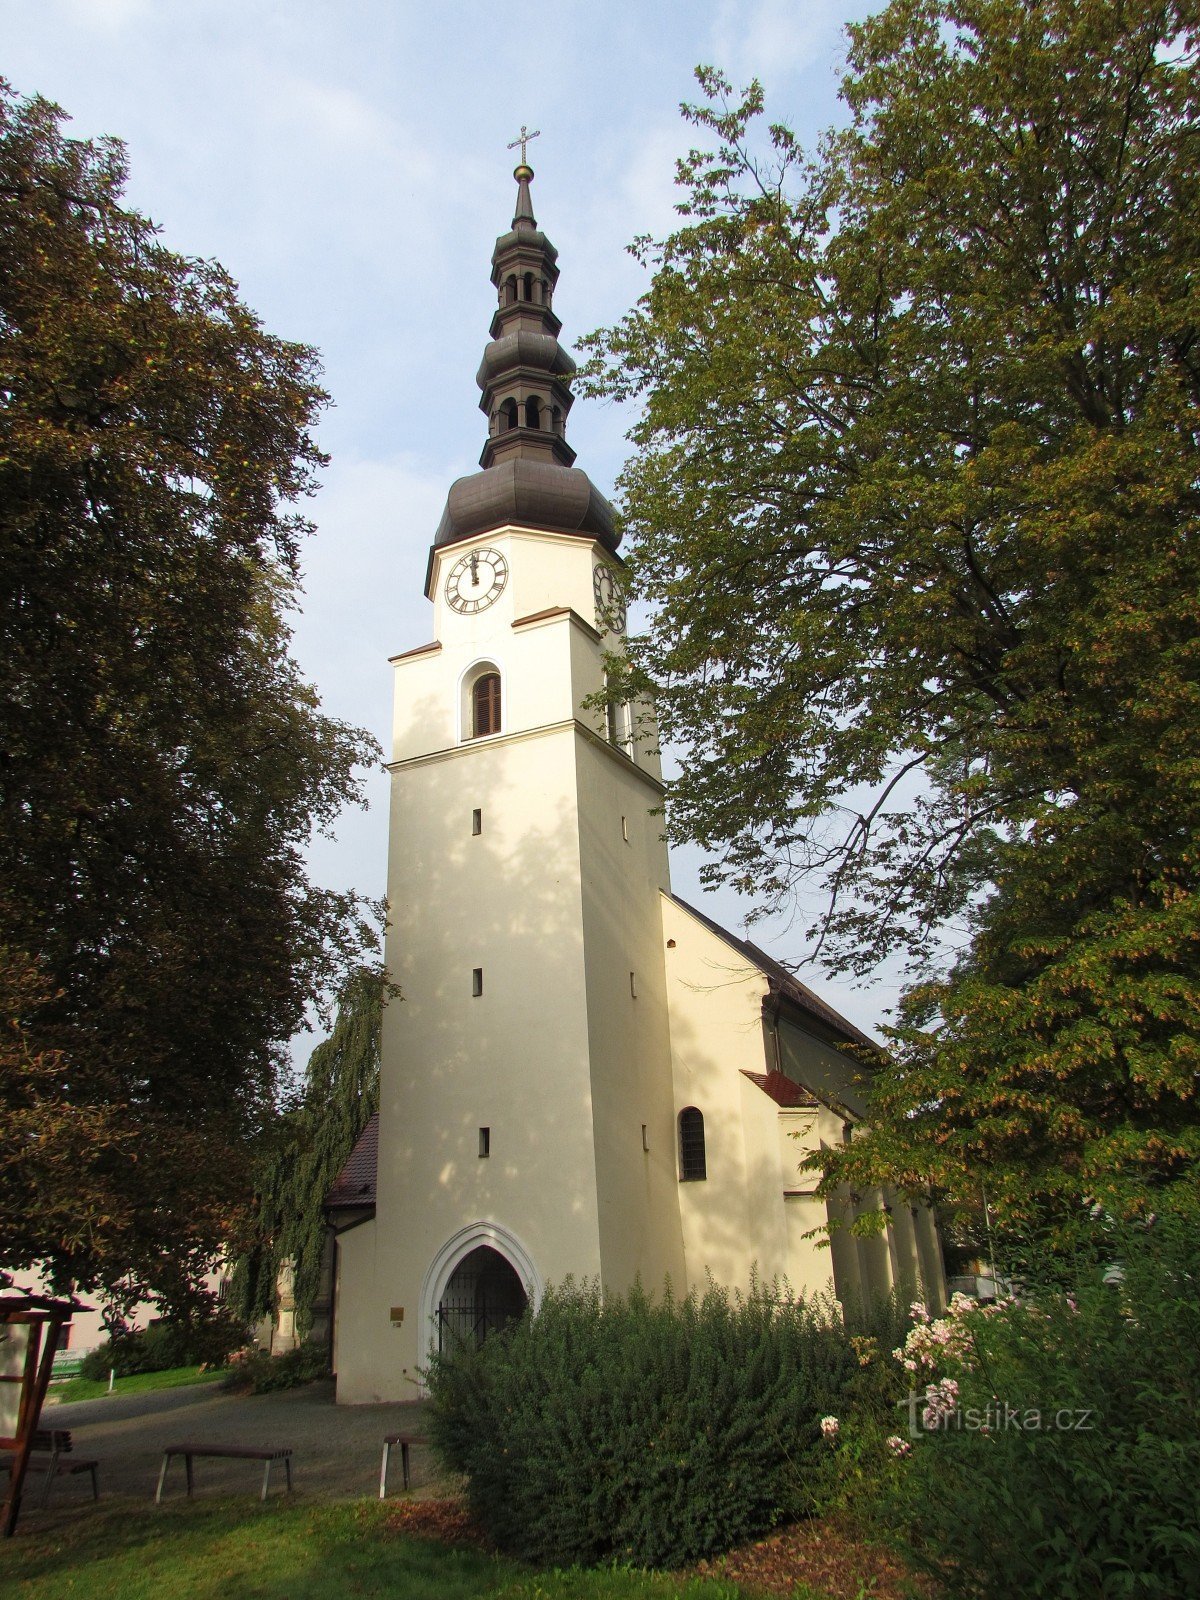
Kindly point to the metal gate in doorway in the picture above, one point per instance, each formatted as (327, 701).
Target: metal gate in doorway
(484, 1293)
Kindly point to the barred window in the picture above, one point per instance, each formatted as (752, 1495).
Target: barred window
(691, 1145)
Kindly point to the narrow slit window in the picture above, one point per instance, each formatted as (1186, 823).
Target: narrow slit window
(485, 1142)
(692, 1165)
(633, 985)
(625, 829)
(645, 1139)
(477, 822)
(476, 982)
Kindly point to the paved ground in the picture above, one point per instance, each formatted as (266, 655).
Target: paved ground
(336, 1449)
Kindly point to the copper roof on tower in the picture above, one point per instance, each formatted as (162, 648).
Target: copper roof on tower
(528, 476)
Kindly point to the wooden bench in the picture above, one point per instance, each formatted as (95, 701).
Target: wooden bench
(50, 1446)
(230, 1452)
(406, 1442)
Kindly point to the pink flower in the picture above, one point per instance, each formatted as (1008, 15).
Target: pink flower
(829, 1427)
(899, 1446)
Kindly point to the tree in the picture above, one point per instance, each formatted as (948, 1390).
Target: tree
(914, 505)
(309, 1148)
(162, 762)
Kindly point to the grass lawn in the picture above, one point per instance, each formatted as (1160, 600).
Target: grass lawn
(73, 1389)
(227, 1550)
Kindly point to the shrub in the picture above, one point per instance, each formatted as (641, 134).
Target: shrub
(652, 1432)
(863, 1459)
(164, 1345)
(259, 1372)
(1102, 1496)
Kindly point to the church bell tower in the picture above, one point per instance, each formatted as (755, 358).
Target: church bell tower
(526, 1128)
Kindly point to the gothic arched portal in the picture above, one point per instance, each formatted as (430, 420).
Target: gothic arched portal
(483, 1293)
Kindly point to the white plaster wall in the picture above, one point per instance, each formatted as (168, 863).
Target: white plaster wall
(715, 1005)
(756, 1208)
(514, 1060)
(517, 1059)
(624, 868)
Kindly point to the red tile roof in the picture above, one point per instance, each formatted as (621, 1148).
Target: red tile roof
(782, 1089)
(355, 1183)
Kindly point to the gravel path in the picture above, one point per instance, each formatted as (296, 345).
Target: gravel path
(336, 1449)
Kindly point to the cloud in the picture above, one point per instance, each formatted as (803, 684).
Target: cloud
(108, 16)
(648, 187)
(363, 575)
(768, 39)
(335, 114)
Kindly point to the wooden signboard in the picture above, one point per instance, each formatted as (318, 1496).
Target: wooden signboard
(29, 1329)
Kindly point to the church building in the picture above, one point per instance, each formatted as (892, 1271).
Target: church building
(585, 1076)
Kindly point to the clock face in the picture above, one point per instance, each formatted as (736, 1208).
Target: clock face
(476, 580)
(610, 602)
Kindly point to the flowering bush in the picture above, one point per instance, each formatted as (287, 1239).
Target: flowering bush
(931, 1344)
(1058, 1455)
(862, 1455)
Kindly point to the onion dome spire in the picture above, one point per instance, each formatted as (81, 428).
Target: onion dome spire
(528, 475)
(525, 372)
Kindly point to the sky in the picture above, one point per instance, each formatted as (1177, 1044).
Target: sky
(348, 163)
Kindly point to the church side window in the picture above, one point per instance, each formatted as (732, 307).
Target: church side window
(692, 1166)
(485, 705)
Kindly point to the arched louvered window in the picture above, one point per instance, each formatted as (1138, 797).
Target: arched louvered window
(510, 290)
(691, 1145)
(529, 286)
(485, 705)
(533, 412)
(508, 415)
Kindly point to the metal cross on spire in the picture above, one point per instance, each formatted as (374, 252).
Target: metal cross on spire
(523, 139)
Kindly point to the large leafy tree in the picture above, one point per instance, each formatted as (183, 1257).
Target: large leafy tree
(914, 505)
(162, 762)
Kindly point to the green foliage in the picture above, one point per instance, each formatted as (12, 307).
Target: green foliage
(858, 1463)
(914, 508)
(308, 1150)
(1104, 1498)
(165, 1345)
(259, 1372)
(164, 762)
(649, 1432)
